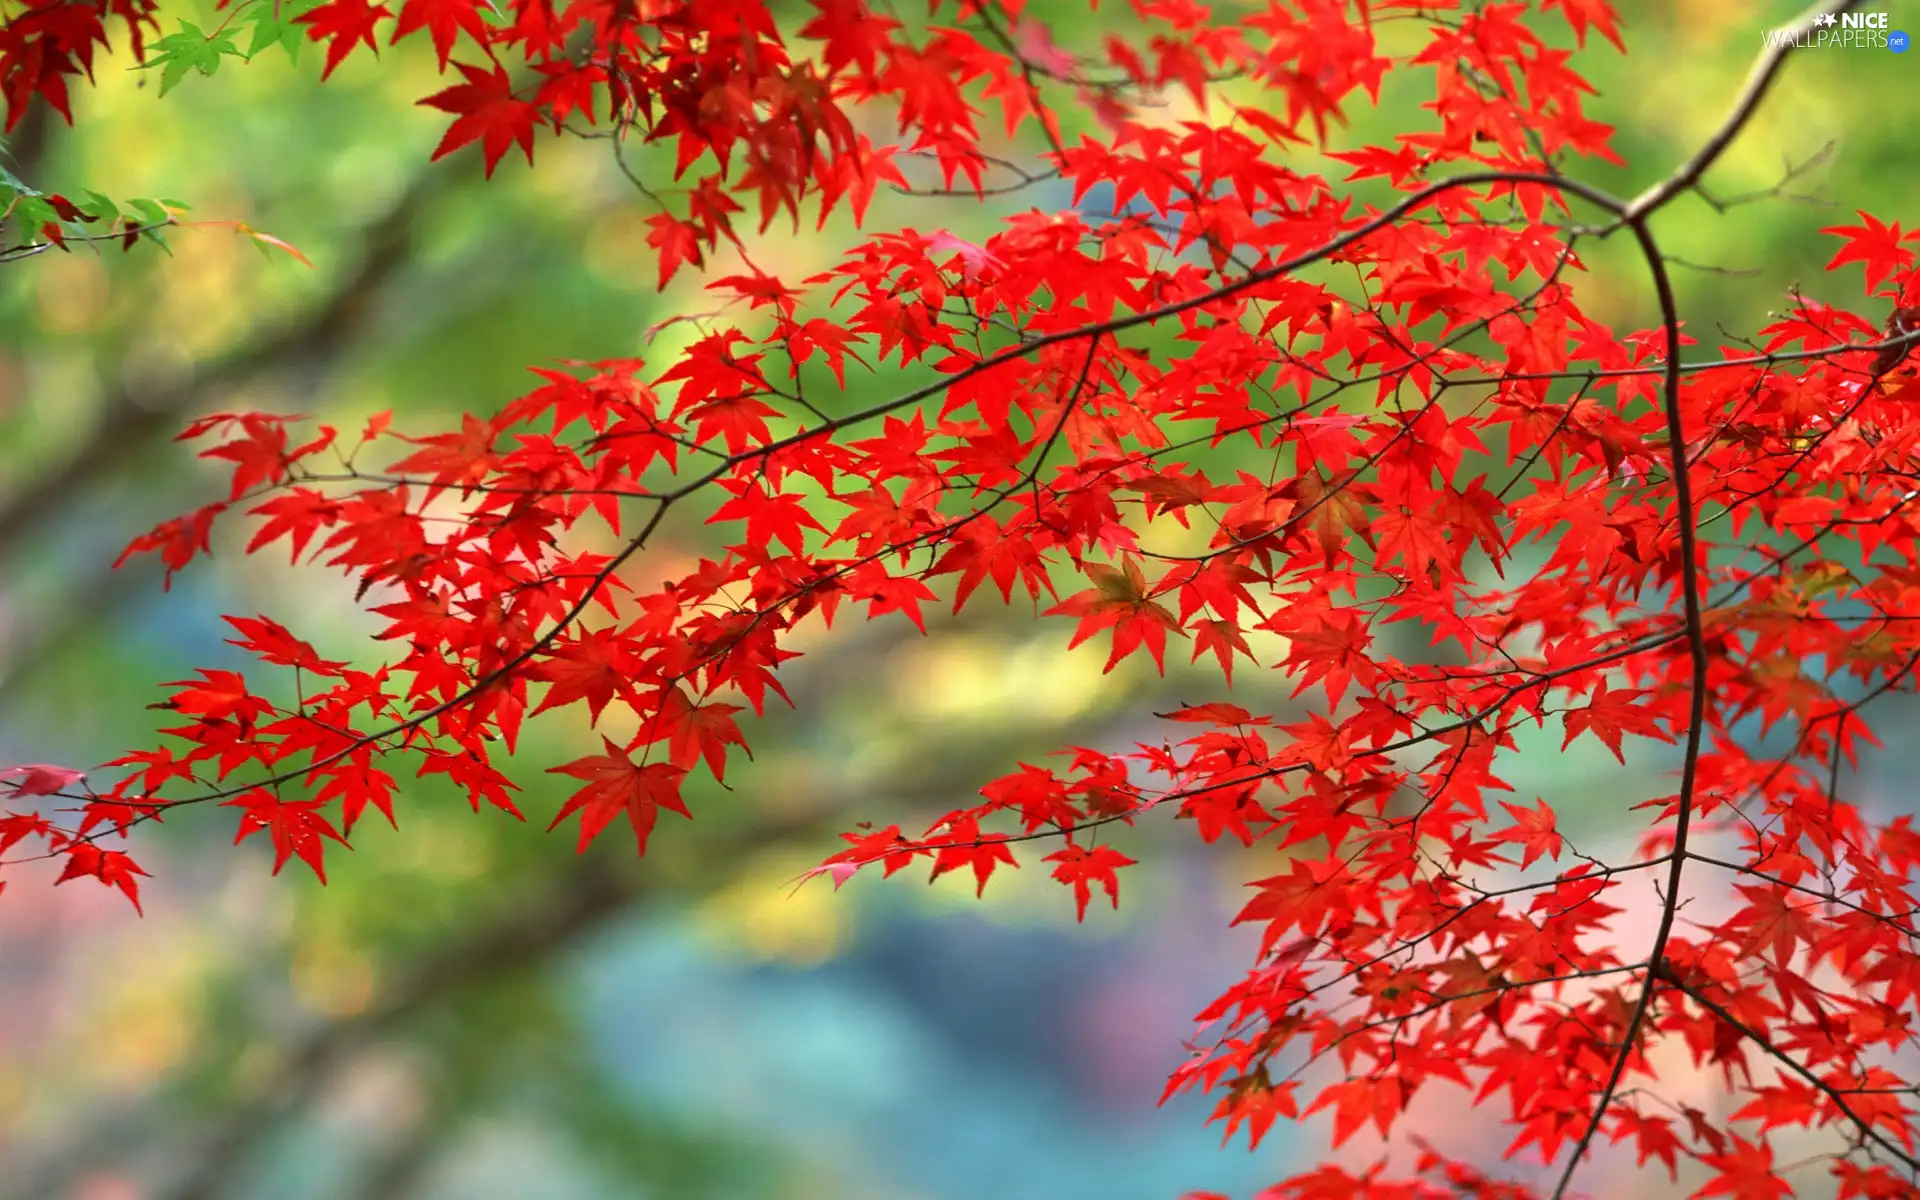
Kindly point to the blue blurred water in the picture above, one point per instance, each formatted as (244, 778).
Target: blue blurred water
(945, 1056)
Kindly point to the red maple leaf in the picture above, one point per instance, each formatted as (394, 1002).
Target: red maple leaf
(616, 784)
(444, 20)
(1081, 867)
(485, 110)
(1533, 829)
(677, 243)
(1611, 715)
(1877, 246)
(1118, 601)
(770, 516)
(594, 667)
(216, 696)
(342, 24)
(297, 827)
(1745, 1173)
(39, 779)
(178, 541)
(695, 731)
(110, 867)
(1359, 1100)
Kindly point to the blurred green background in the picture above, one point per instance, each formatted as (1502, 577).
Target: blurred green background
(471, 1010)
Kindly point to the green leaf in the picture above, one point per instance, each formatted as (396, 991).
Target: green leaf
(150, 212)
(190, 49)
(34, 212)
(93, 202)
(273, 25)
(10, 180)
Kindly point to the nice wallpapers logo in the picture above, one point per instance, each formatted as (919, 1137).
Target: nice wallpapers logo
(1844, 31)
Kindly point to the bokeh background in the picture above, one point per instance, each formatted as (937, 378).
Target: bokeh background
(471, 1010)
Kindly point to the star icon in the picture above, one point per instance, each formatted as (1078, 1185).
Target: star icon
(1826, 19)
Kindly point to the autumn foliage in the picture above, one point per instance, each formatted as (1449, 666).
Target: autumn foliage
(1615, 534)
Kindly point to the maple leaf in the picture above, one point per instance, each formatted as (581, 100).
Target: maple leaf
(1215, 713)
(595, 667)
(463, 458)
(356, 783)
(216, 696)
(1877, 246)
(961, 844)
(480, 781)
(485, 110)
(770, 516)
(1081, 867)
(110, 867)
(741, 420)
(1611, 715)
(615, 784)
(274, 643)
(259, 457)
(297, 827)
(677, 242)
(1653, 1137)
(1225, 639)
(1118, 601)
(342, 24)
(178, 541)
(1745, 1173)
(444, 20)
(1788, 1103)
(1771, 920)
(1257, 1103)
(1585, 14)
(694, 731)
(831, 341)
(982, 551)
(1416, 536)
(857, 176)
(39, 779)
(296, 516)
(888, 846)
(17, 827)
(1533, 829)
(1359, 1100)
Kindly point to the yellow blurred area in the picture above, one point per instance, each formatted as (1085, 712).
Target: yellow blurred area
(762, 914)
(458, 847)
(145, 1019)
(985, 679)
(621, 255)
(332, 978)
(201, 292)
(140, 1038)
(1708, 23)
(72, 292)
(15, 1092)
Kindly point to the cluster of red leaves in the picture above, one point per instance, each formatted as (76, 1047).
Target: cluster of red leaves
(1165, 405)
(49, 40)
(716, 80)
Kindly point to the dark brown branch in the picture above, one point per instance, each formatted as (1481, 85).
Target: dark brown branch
(1636, 214)
(1765, 70)
(1835, 1097)
(1696, 638)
